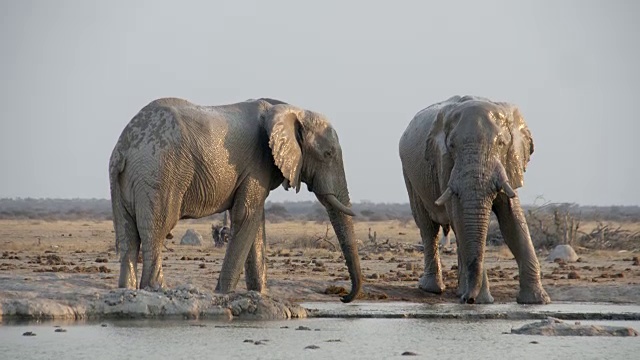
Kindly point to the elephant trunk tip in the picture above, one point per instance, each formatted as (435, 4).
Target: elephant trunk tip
(355, 291)
(349, 298)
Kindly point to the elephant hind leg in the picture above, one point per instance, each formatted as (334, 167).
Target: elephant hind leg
(431, 281)
(128, 246)
(255, 268)
(155, 220)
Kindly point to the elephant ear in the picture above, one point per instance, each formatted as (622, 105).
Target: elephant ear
(521, 148)
(283, 124)
(436, 153)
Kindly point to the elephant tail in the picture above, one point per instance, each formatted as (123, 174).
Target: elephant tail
(116, 167)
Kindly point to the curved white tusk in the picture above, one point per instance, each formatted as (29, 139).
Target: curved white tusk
(444, 197)
(508, 190)
(335, 203)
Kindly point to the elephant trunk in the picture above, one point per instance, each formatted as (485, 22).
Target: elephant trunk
(343, 227)
(475, 215)
(475, 199)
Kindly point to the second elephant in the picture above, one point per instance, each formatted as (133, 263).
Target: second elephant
(461, 159)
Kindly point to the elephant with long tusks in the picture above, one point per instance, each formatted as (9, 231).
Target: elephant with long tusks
(461, 159)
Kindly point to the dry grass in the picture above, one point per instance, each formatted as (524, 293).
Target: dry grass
(297, 268)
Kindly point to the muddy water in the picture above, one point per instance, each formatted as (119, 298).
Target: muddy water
(377, 336)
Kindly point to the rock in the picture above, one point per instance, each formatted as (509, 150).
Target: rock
(29, 333)
(409, 353)
(555, 327)
(191, 237)
(312, 347)
(303, 328)
(573, 275)
(564, 253)
(60, 330)
(254, 305)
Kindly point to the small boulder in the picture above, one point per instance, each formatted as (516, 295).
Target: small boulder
(191, 237)
(564, 253)
(555, 327)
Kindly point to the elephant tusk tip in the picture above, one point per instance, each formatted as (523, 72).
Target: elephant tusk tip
(336, 204)
(508, 190)
(444, 197)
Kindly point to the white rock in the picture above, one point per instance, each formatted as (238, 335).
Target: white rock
(191, 237)
(564, 252)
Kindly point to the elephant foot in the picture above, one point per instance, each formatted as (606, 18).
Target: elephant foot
(224, 287)
(482, 298)
(431, 283)
(154, 288)
(535, 295)
(128, 279)
(127, 282)
(153, 285)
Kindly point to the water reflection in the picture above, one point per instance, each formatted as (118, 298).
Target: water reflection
(308, 338)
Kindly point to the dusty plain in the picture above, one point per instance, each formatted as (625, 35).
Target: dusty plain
(57, 259)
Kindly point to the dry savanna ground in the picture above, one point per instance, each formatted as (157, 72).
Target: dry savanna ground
(305, 263)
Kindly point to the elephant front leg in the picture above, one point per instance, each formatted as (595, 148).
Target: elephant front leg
(431, 280)
(247, 217)
(515, 231)
(255, 268)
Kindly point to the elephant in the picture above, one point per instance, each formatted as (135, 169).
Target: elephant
(178, 160)
(461, 159)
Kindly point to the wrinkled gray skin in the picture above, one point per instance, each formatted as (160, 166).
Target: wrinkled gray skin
(178, 160)
(461, 159)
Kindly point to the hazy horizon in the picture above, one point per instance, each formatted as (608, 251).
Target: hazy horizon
(73, 73)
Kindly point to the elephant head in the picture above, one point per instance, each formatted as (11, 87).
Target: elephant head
(305, 148)
(482, 149)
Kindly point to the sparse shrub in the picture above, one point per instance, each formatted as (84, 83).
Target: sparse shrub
(277, 213)
(553, 224)
(317, 241)
(494, 235)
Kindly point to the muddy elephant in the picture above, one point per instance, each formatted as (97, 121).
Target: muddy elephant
(178, 160)
(461, 159)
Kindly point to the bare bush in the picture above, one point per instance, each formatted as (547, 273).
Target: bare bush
(606, 236)
(553, 224)
(316, 241)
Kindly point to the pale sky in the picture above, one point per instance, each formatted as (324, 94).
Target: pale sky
(73, 73)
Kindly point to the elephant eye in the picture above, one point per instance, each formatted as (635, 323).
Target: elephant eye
(328, 154)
